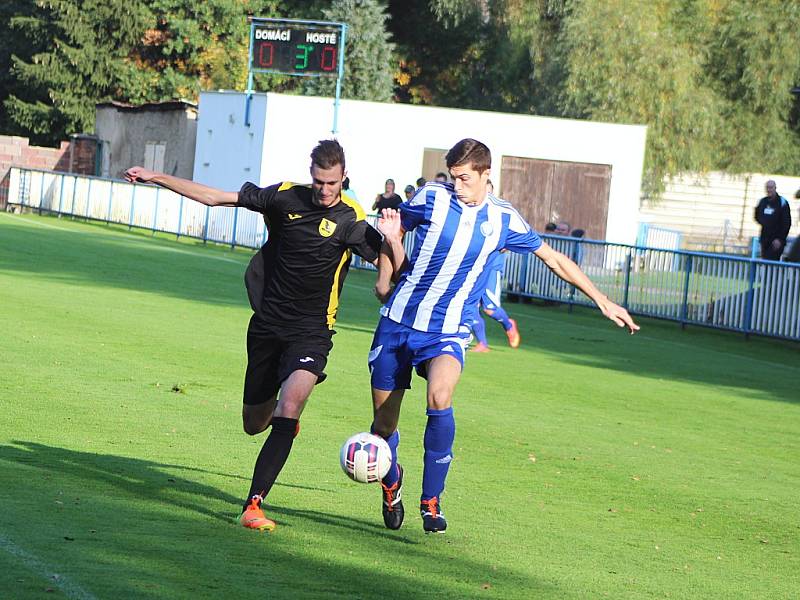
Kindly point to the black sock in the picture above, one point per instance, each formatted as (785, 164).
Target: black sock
(272, 457)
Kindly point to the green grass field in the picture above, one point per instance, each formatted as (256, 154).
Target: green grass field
(589, 464)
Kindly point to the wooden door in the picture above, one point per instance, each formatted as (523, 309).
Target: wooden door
(546, 190)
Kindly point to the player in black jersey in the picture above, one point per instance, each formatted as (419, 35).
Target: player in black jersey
(293, 284)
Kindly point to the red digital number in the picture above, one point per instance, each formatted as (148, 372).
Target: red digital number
(328, 59)
(264, 49)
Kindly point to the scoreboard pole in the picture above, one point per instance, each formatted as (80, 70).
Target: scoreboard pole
(288, 53)
(339, 78)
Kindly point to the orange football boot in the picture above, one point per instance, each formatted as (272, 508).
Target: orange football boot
(253, 517)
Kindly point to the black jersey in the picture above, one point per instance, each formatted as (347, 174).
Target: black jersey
(295, 279)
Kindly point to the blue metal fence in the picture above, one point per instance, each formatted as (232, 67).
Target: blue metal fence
(713, 290)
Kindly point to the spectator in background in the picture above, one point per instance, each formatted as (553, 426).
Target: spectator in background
(388, 199)
(562, 228)
(420, 182)
(577, 250)
(794, 252)
(775, 218)
(409, 192)
(441, 177)
(550, 228)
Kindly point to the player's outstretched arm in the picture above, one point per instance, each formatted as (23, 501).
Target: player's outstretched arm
(196, 191)
(567, 270)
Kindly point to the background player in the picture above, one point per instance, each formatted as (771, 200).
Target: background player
(491, 304)
(293, 284)
(458, 228)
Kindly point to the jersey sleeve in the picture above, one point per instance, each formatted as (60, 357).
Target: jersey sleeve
(364, 240)
(258, 199)
(412, 212)
(521, 238)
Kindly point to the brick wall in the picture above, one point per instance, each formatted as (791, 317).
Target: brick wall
(74, 156)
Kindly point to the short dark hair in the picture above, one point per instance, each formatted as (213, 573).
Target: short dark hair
(410, 188)
(420, 182)
(327, 154)
(443, 174)
(469, 151)
(578, 233)
(550, 227)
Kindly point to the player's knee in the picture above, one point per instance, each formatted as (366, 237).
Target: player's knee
(440, 398)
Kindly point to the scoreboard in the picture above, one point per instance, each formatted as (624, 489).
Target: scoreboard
(295, 48)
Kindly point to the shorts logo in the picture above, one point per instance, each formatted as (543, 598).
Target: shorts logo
(448, 348)
(326, 228)
(293, 216)
(373, 354)
(306, 359)
(486, 229)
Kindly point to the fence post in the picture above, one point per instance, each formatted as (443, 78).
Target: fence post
(749, 304)
(60, 195)
(41, 193)
(133, 206)
(110, 197)
(180, 220)
(628, 261)
(74, 191)
(205, 225)
(88, 199)
(685, 306)
(155, 212)
(235, 220)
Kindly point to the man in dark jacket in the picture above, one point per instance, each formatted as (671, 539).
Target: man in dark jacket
(775, 218)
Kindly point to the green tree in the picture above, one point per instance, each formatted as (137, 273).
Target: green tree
(78, 50)
(369, 53)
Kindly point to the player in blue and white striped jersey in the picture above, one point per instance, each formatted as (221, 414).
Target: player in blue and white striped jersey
(459, 228)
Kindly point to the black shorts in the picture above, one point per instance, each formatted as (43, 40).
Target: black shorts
(274, 353)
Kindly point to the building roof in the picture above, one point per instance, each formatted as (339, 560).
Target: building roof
(149, 106)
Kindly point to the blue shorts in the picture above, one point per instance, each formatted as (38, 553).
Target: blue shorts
(396, 349)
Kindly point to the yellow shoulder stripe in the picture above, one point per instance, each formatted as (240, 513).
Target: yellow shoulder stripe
(286, 185)
(353, 203)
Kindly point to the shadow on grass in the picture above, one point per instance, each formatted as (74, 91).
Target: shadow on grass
(127, 527)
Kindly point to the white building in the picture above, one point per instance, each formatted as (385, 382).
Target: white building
(584, 172)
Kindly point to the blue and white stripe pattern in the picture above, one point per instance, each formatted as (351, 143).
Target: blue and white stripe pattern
(454, 247)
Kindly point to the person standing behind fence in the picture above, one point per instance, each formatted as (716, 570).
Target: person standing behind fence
(388, 199)
(775, 218)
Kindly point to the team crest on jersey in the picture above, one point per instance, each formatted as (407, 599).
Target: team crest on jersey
(326, 228)
(486, 229)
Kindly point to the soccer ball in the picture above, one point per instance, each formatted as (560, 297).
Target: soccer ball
(365, 458)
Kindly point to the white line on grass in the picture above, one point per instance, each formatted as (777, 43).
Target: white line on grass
(71, 590)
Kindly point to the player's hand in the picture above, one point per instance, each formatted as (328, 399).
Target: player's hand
(389, 224)
(619, 315)
(135, 174)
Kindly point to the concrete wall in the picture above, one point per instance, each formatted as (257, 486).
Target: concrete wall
(125, 132)
(388, 140)
(715, 211)
(228, 152)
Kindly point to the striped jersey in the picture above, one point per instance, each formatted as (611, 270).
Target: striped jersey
(454, 248)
